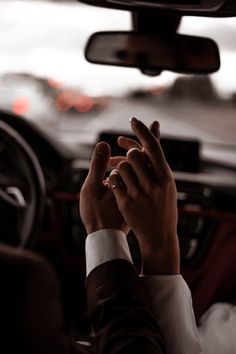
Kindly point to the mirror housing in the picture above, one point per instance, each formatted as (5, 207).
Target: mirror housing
(153, 52)
(208, 8)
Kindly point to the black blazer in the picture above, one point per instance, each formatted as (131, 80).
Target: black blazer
(122, 320)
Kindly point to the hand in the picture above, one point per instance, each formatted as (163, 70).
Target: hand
(98, 208)
(148, 202)
(127, 144)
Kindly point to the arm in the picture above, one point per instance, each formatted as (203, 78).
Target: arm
(146, 196)
(117, 301)
(122, 320)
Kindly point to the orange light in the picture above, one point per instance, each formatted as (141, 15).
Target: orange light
(83, 103)
(158, 90)
(21, 105)
(102, 103)
(54, 84)
(65, 100)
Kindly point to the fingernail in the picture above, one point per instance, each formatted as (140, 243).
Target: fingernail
(156, 124)
(101, 150)
(133, 121)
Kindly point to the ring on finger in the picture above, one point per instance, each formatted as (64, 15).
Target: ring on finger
(114, 186)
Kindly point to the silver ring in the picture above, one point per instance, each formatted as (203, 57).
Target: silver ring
(114, 186)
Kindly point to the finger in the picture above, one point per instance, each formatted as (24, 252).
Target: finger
(117, 187)
(99, 164)
(115, 160)
(127, 143)
(151, 146)
(155, 129)
(129, 178)
(106, 182)
(141, 168)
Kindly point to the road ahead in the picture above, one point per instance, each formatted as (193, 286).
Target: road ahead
(211, 124)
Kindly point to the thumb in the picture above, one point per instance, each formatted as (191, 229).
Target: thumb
(99, 164)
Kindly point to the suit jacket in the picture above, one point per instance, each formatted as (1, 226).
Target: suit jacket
(122, 320)
(31, 316)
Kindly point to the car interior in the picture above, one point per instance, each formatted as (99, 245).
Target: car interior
(168, 54)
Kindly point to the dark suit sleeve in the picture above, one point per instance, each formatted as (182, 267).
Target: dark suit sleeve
(119, 311)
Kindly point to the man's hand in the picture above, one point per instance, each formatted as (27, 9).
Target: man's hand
(98, 208)
(148, 202)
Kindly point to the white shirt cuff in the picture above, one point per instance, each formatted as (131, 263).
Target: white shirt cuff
(171, 303)
(105, 245)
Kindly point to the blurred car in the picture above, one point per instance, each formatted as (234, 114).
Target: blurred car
(55, 107)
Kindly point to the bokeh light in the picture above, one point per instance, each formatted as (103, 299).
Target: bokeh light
(83, 103)
(21, 105)
(65, 100)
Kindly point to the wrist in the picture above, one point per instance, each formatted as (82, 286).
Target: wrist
(91, 228)
(161, 260)
(160, 267)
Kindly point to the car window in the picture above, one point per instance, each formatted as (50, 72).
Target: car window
(44, 76)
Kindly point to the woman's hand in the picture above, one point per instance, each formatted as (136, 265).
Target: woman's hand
(146, 196)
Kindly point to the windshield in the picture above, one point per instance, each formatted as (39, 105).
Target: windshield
(44, 76)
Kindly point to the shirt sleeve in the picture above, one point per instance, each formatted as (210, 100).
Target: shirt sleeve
(105, 245)
(171, 302)
(169, 296)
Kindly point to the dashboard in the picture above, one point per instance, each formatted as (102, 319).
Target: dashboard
(206, 191)
(206, 204)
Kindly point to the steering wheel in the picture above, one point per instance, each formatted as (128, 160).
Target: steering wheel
(22, 190)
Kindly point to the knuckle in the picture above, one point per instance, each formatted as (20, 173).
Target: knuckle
(168, 179)
(133, 154)
(123, 166)
(85, 190)
(83, 195)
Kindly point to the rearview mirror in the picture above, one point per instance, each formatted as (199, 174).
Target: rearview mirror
(215, 8)
(173, 52)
